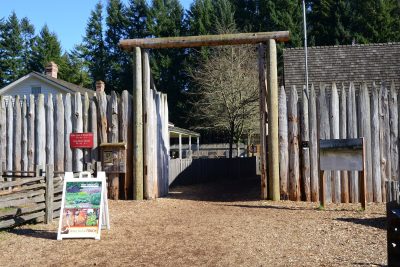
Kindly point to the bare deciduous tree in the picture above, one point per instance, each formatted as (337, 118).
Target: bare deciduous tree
(228, 95)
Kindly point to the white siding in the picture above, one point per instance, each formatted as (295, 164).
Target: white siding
(25, 88)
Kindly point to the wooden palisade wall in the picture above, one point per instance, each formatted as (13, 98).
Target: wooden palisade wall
(338, 112)
(35, 130)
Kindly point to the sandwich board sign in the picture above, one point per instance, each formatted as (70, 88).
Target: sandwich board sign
(84, 207)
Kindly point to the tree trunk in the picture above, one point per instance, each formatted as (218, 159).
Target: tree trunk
(231, 133)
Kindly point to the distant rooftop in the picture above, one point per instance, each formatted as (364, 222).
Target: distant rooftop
(343, 64)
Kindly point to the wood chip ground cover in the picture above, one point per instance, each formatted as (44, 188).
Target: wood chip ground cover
(216, 224)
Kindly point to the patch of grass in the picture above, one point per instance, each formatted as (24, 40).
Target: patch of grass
(321, 207)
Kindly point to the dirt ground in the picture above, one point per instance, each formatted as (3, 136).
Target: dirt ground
(202, 226)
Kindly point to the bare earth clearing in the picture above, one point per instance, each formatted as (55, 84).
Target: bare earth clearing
(200, 226)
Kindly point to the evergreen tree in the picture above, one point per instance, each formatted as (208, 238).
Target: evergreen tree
(331, 22)
(166, 19)
(200, 18)
(247, 15)
(380, 25)
(46, 48)
(28, 37)
(117, 59)
(137, 13)
(224, 17)
(11, 46)
(92, 49)
(74, 69)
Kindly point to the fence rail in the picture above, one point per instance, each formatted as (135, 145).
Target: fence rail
(342, 112)
(30, 199)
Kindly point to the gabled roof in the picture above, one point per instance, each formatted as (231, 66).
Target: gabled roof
(61, 84)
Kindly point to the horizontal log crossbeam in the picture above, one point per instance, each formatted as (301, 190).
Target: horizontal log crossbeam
(204, 40)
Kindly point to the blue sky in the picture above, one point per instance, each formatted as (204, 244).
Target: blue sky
(66, 18)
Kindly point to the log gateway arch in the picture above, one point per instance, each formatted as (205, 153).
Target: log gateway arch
(268, 84)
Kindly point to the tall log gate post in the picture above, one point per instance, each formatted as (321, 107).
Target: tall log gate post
(138, 128)
(263, 119)
(273, 141)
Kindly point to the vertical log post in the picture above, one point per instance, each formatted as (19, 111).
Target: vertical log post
(352, 133)
(68, 131)
(50, 130)
(124, 118)
(77, 162)
(40, 132)
(294, 168)
(283, 145)
(375, 147)
(273, 142)
(85, 116)
(314, 162)
(305, 151)
(138, 127)
(344, 178)
(49, 194)
(3, 130)
(59, 134)
(384, 137)
(394, 138)
(93, 128)
(113, 138)
(324, 133)
(334, 122)
(167, 144)
(365, 131)
(263, 119)
(10, 132)
(146, 139)
(24, 136)
(31, 133)
(17, 135)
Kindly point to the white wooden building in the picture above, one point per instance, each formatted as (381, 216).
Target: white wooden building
(36, 83)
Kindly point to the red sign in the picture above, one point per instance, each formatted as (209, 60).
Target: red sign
(81, 140)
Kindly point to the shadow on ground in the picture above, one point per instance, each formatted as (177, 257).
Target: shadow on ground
(219, 191)
(379, 222)
(42, 234)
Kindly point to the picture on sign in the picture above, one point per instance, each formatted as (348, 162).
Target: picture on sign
(81, 208)
(81, 140)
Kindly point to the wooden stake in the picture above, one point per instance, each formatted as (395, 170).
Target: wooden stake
(113, 137)
(305, 151)
(77, 162)
(24, 136)
(68, 131)
(17, 135)
(375, 147)
(294, 168)
(59, 137)
(314, 162)
(334, 123)
(263, 130)
(283, 145)
(344, 182)
(31, 133)
(40, 129)
(50, 130)
(146, 139)
(138, 128)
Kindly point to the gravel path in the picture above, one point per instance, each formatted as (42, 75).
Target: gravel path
(200, 226)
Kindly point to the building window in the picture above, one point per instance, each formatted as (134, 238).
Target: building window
(36, 90)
